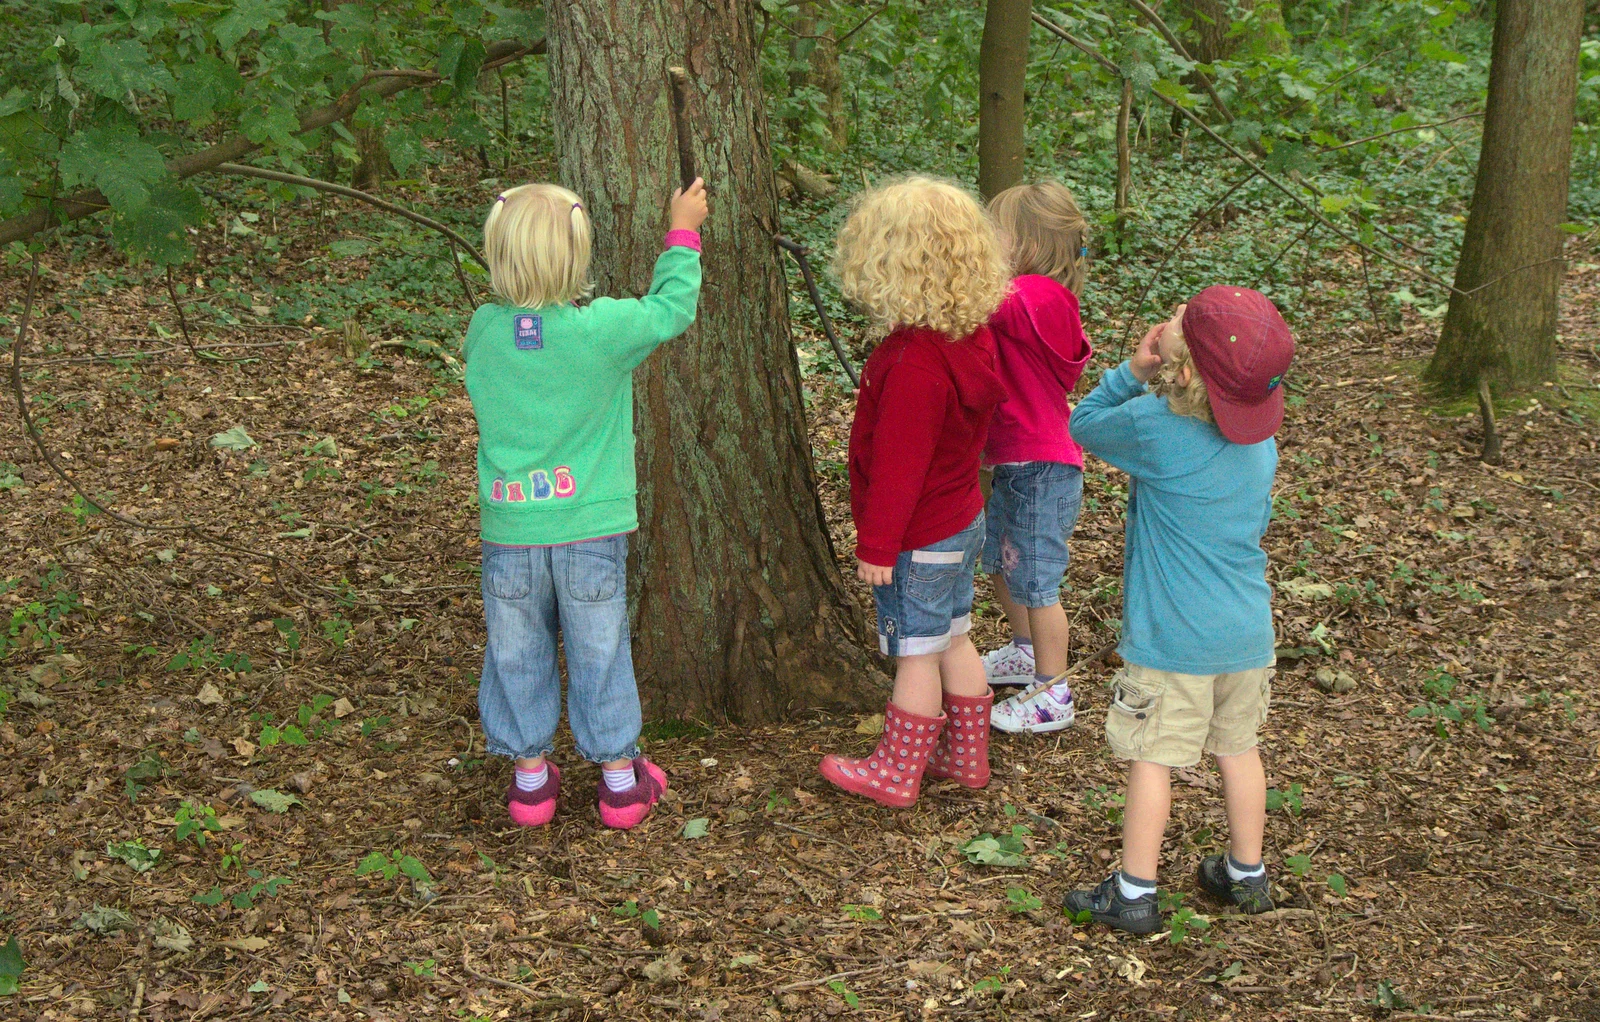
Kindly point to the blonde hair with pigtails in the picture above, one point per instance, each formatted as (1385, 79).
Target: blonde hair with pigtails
(1046, 230)
(538, 240)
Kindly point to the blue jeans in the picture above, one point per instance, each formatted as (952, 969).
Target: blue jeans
(928, 602)
(528, 594)
(1033, 508)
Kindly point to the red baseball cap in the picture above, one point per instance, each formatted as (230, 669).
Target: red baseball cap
(1241, 347)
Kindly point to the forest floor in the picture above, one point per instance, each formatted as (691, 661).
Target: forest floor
(357, 861)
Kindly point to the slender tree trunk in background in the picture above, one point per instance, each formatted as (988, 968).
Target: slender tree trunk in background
(1002, 76)
(1124, 150)
(739, 609)
(1505, 329)
(1271, 33)
(814, 43)
(372, 165)
(1209, 22)
(1208, 42)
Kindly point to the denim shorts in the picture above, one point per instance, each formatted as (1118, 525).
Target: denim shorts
(1033, 508)
(534, 598)
(929, 600)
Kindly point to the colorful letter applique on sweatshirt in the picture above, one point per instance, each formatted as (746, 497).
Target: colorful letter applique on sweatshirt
(542, 485)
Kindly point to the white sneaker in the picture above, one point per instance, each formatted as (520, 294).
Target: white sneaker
(1035, 710)
(1008, 665)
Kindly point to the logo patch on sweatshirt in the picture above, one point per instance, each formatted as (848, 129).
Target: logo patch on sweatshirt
(541, 485)
(529, 332)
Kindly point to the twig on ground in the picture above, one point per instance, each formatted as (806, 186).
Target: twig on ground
(804, 984)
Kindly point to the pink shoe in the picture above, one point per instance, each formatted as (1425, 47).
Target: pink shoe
(962, 753)
(625, 810)
(892, 775)
(537, 807)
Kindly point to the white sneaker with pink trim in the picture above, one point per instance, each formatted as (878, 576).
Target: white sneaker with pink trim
(1038, 709)
(1008, 665)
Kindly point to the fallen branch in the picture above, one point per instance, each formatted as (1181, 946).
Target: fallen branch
(244, 170)
(88, 202)
(1396, 131)
(803, 984)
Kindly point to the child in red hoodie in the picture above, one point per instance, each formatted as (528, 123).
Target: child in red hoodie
(921, 258)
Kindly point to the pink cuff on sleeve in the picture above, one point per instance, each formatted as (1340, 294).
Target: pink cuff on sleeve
(688, 239)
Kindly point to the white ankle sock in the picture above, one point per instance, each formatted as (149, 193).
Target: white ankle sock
(620, 780)
(1133, 888)
(1238, 871)
(532, 780)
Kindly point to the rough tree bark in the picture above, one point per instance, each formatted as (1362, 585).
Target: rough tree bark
(1209, 22)
(1002, 76)
(1504, 328)
(739, 607)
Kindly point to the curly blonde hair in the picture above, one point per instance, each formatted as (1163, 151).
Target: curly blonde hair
(537, 241)
(1046, 231)
(1184, 399)
(920, 251)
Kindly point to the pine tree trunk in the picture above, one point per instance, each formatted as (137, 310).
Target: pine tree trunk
(1002, 76)
(1505, 328)
(739, 609)
(1209, 22)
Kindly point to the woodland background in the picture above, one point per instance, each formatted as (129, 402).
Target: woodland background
(239, 629)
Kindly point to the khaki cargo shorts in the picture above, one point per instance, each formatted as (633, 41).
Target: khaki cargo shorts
(1170, 718)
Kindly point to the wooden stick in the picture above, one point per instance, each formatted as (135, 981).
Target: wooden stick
(678, 81)
(1491, 436)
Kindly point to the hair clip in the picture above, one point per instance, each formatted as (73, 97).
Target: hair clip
(1083, 253)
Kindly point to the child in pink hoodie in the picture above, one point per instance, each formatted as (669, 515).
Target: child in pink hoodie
(1038, 468)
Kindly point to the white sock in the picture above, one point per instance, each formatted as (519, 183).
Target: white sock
(532, 780)
(1133, 888)
(1241, 872)
(621, 780)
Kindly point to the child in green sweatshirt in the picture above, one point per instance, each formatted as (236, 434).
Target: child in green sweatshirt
(551, 384)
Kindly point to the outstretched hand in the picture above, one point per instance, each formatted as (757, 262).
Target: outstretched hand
(1146, 361)
(874, 574)
(689, 208)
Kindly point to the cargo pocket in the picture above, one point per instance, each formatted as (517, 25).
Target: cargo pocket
(1130, 720)
(1266, 695)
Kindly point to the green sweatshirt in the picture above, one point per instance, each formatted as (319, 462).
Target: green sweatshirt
(552, 390)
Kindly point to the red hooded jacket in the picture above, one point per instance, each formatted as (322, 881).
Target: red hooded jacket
(921, 422)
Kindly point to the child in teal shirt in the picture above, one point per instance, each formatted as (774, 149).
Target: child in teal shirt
(1197, 637)
(551, 384)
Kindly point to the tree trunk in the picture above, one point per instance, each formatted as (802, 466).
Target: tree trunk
(1271, 35)
(1002, 75)
(372, 164)
(814, 43)
(1209, 22)
(1124, 151)
(739, 609)
(1505, 327)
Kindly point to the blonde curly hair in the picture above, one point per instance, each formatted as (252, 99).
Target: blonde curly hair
(921, 251)
(1184, 399)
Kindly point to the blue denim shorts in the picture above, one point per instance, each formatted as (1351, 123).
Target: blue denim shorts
(1033, 508)
(929, 600)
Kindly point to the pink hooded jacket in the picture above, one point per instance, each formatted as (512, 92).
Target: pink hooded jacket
(1041, 351)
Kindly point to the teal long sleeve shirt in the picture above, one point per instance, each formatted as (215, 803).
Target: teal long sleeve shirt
(552, 390)
(1195, 597)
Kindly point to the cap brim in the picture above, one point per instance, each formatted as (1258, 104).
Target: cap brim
(1248, 424)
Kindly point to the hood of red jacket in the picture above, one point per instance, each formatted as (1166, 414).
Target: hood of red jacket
(969, 363)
